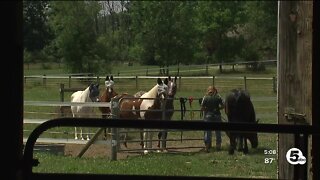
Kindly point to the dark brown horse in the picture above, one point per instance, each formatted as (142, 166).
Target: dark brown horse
(239, 109)
(172, 90)
(106, 96)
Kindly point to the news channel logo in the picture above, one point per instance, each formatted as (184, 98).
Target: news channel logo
(295, 156)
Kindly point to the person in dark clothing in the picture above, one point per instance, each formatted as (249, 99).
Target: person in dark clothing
(211, 104)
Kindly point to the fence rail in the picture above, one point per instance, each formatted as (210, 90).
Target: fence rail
(137, 80)
(301, 132)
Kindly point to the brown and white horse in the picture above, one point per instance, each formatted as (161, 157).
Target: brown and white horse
(150, 109)
(106, 96)
(143, 105)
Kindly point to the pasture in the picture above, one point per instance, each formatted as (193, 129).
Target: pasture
(188, 162)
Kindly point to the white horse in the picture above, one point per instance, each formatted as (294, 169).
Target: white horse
(159, 92)
(90, 94)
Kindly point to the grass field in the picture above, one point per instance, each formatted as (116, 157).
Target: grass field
(184, 163)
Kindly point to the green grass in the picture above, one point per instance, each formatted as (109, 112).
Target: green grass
(186, 164)
(218, 164)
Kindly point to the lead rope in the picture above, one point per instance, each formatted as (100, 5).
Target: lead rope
(183, 112)
(191, 111)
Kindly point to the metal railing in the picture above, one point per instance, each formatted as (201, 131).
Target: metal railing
(301, 133)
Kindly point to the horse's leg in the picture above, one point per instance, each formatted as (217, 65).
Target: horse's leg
(105, 129)
(141, 138)
(124, 137)
(81, 134)
(245, 149)
(145, 135)
(163, 136)
(75, 133)
(232, 146)
(88, 134)
(240, 147)
(148, 140)
(75, 129)
(159, 138)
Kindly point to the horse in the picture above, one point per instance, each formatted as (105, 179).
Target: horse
(90, 94)
(106, 96)
(130, 105)
(239, 109)
(172, 90)
(150, 108)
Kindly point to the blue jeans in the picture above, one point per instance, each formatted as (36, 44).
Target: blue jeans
(210, 117)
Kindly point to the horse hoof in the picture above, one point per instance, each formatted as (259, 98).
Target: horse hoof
(145, 152)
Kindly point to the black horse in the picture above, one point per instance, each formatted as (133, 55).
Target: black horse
(239, 109)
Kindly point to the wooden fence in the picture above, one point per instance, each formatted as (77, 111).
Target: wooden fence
(70, 79)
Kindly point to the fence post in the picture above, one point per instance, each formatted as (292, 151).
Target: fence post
(213, 77)
(98, 79)
(147, 72)
(62, 92)
(44, 80)
(274, 84)
(114, 131)
(245, 82)
(137, 86)
(178, 69)
(207, 72)
(69, 81)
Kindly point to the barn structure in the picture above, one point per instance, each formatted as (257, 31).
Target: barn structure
(298, 88)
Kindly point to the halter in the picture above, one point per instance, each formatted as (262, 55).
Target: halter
(109, 85)
(162, 91)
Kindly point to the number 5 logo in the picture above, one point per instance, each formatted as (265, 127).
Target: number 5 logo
(294, 156)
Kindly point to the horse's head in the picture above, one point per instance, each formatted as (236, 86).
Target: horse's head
(172, 86)
(109, 83)
(94, 92)
(162, 88)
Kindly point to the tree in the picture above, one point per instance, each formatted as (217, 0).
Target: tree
(262, 23)
(36, 31)
(163, 32)
(219, 23)
(76, 34)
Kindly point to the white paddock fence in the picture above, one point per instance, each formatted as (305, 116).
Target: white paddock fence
(51, 80)
(115, 133)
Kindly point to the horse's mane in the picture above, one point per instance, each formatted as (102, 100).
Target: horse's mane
(80, 93)
(152, 93)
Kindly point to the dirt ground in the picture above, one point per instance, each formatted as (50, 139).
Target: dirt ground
(98, 150)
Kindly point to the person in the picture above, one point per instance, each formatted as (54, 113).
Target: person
(211, 104)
